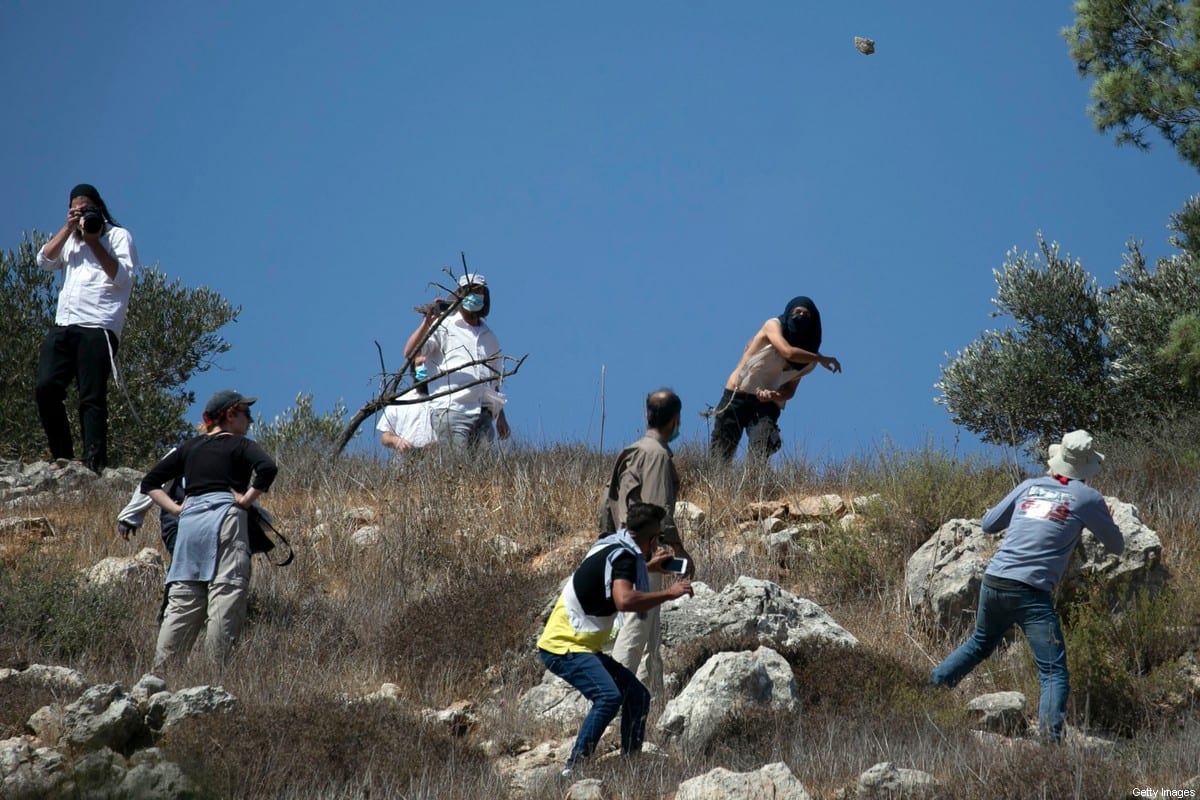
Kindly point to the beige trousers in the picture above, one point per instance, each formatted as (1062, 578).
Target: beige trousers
(217, 606)
(638, 645)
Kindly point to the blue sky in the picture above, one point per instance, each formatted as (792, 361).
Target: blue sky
(643, 184)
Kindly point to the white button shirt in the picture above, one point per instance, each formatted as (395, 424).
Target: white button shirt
(89, 297)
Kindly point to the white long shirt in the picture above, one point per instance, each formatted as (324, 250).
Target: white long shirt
(453, 345)
(89, 297)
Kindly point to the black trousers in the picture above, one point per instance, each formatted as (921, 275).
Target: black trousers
(742, 411)
(74, 353)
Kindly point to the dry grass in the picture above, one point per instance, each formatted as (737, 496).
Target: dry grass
(448, 604)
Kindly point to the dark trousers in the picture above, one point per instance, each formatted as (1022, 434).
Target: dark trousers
(742, 411)
(74, 353)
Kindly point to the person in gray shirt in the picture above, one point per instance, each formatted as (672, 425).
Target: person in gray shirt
(1044, 517)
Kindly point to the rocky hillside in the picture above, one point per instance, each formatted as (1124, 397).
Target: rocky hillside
(394, 656)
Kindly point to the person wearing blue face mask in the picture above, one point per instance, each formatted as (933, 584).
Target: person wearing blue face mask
(407, 426)
(460, 356)
(645, 473)
(784, 350)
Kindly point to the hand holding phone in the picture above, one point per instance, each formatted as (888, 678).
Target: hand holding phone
(675, 566)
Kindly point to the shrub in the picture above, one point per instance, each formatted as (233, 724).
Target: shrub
(926, 487)
(299, 429)
(50, 614)
(320, 746)
(1109, 654)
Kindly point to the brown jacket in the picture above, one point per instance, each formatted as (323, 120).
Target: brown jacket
(644, 473)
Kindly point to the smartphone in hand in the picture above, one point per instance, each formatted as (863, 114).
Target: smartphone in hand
(676, 566)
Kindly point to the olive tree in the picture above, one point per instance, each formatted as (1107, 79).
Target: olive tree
(1142, 311)
(1045, 374)
(1077, 356)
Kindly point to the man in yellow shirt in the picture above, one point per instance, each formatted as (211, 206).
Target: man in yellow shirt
(614, 577)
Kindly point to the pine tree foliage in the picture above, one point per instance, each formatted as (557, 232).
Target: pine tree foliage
(1145, 58)
(1182, 351)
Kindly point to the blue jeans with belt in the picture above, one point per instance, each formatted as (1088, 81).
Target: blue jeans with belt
(612, 689)
(1033, 610)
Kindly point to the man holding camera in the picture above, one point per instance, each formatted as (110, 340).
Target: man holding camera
(614, 577)
(645, 473)
(97, 258)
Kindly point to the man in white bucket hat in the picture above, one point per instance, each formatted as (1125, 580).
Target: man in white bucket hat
(1044, 517)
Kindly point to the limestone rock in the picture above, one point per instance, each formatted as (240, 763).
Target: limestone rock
(460, 717)
(689, 516)
(943, 576)
(588, 789)
(772, 525)
(145, 567)
(764, 509)
(152, 777)
(556, 700)
(773, 780)
(725, 685)
(749, 607)
(31, 773)
(367, 536)
(103, 716)
(168, 708)
(359, 516)
(59, 680)
(867, 503)
(817, 507)
(888, 782)
(1140, 566)
(1000, 712)
(147, 686)
(528, 772)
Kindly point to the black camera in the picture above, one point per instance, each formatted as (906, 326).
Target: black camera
(92, 219)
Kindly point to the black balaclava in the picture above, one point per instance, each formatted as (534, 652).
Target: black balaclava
(89, 191)
(802, 332)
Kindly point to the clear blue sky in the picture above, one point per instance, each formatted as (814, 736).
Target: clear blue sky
(643, 184)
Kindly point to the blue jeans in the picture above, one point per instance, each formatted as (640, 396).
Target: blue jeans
(1033, 610)
(611, 688)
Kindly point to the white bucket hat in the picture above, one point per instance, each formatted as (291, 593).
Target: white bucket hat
(1075, 457)
(472, 279)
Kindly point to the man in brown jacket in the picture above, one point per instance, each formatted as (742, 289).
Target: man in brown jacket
(645, 473)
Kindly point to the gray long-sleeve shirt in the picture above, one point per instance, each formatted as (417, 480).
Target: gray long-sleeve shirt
(1044, 519)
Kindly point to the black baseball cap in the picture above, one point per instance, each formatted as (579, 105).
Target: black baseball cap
(226, 398)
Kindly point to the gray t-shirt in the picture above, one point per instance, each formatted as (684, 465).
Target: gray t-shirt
(1044, 519)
